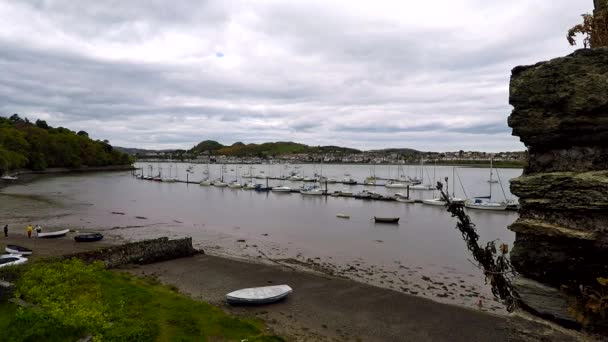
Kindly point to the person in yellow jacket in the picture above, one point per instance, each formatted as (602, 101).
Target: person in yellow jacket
(29, 231)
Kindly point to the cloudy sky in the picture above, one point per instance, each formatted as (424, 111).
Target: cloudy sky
(430, 75)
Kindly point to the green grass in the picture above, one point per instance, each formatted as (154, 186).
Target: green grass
(75, 300)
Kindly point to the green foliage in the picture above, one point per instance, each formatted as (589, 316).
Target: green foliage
(38, 146)
(269, 149)
(74, 300)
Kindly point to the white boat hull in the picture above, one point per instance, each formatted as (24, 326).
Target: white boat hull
(11, 260)
(59, 233)
(259, 295)
(487, 206)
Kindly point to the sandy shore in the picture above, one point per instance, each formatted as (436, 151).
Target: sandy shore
(322, 308)
(52, 247)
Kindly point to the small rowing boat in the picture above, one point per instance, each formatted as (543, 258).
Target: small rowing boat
(344, 216)
(89, 237)
(386, 219)
(14, 249)
(258, 295)
(51, 235)
(11, 260)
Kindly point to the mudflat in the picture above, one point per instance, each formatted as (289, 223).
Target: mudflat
(324, 308)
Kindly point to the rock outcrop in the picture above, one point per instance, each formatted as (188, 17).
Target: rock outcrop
(561, 114)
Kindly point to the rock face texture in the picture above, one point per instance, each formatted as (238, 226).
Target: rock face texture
(561, 114)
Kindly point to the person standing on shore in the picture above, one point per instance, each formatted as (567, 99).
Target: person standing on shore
(29, 231)
(6, 230)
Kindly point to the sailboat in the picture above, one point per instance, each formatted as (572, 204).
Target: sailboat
(220, 182)
(485, 202)
(206, 181)
(422, 186)
(235, 184)
(439, 200)
(492, 180)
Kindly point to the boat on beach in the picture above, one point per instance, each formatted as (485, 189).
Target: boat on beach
(51, 235)
(14, 249)
(88, 237)
(11, 260)
(379, 219)
(258, 295)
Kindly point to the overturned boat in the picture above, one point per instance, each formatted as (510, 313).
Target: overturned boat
(51, 235)
(14, 249)
(258, 295)
(11, 260)
(89, 237)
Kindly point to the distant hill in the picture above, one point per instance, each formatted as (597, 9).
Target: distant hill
(240, 149)
(405, 151)
(135, 151)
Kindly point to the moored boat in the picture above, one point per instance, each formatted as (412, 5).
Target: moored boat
(281, 188)
(478, 203)
(88, 237)
(378, 219)
(344, 216)
(397, 185)
(14, 249)
(258, 295)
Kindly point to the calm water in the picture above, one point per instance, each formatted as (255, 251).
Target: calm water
(279, 226)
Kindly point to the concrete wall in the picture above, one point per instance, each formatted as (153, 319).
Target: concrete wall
(142, 252)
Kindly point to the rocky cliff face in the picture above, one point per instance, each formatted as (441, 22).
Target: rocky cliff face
(561, 114)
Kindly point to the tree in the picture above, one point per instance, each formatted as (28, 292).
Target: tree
(83, 134)
(15, 118)
(42, 124)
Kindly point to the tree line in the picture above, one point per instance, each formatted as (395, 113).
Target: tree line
(38, 146)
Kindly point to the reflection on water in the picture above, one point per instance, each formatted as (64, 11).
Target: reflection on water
(425, 244)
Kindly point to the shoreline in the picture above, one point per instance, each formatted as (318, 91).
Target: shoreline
(26, 175)
(477, 165)
(322, 307)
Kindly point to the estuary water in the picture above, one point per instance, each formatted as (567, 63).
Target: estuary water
(424, 255)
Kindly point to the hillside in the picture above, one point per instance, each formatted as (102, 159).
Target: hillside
(239, 149)
(37, 146)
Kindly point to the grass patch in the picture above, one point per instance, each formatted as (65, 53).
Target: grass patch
(75, 300)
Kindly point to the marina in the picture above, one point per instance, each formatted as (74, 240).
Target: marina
(333, 233)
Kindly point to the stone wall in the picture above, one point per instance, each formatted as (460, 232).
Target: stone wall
(142, 252)
(561, 114)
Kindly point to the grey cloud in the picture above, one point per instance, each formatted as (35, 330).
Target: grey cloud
(146, 72)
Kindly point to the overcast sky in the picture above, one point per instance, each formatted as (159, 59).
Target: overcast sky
(429, 75)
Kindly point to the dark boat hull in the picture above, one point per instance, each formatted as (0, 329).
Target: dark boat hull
(386, 219)
(88, 237)
(14, 249)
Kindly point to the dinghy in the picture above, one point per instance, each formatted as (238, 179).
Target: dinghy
(50, 235)
(386, 219)
(89, 237)
(11, 260)
(14, 249)
(344, 216)
(258, 295)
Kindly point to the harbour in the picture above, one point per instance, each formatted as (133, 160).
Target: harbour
(422, 255)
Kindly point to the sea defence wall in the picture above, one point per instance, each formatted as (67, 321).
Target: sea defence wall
(142, 252)
(561, 247)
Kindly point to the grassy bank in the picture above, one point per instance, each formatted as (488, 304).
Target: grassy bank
(74, 300)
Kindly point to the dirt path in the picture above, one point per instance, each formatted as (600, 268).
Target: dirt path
(324, 308)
